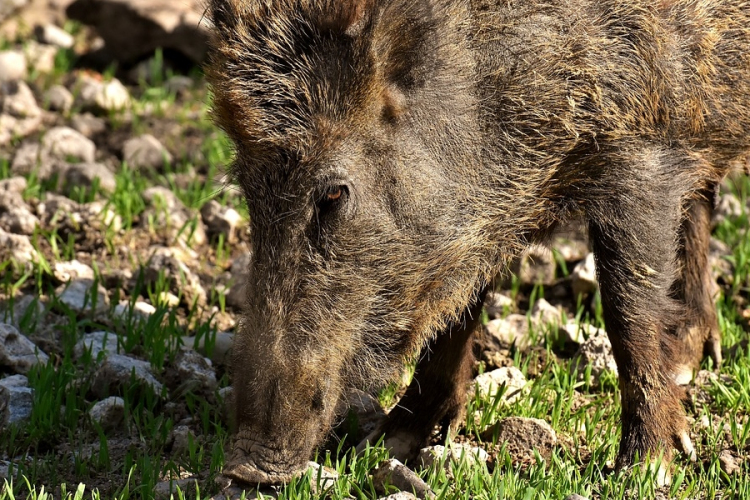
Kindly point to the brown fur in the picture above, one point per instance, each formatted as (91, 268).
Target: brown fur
(457, 133)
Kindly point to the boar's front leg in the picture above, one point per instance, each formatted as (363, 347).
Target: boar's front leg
(437, 394)
(635, 212)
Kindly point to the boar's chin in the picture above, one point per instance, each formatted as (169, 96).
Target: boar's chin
(255, 463)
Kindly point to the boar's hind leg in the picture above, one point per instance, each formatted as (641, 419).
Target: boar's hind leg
(437, 394)
(699, 333)
(634, 220)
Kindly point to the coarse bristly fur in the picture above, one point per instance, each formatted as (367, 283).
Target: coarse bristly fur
(396, 154)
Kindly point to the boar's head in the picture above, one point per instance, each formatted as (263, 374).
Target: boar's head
(357, 148)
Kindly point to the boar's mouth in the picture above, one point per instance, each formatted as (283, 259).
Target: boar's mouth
(253, 462)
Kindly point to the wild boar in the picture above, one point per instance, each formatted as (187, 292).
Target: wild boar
(396, 155)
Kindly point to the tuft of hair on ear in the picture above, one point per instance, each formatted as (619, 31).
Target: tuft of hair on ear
(350, 16)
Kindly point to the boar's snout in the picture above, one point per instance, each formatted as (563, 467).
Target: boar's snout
(255, 462)
(285, 404)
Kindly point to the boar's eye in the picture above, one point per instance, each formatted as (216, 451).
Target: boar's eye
(332, 196)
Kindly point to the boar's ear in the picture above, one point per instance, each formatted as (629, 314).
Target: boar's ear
(350, 16)
(224, 14)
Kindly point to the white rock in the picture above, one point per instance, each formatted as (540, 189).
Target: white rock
(597, 352)
(17, 247)
(196, 370)
(86, 174)
(53, 35)
(394, 473)
(583, 277)
(12, 65)
(113, 96)
(513, 329)
(19, 220)
(537, 266)
(66, 271)
(141, 311)
(59, 98)
(118, 371)
(16, 400)
(18, 352)
(522, 436)
(13, 185)
(221, 220)
(95, 343)
(77, 295)
(456, 452)
(145, 152)
(63, 143)
(509, 377)
(496, 304)
(545, 313)
(20, 114)
(39, 56)
(108, 413)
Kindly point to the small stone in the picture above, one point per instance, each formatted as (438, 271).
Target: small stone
(113, 96)
(108, 413)
(64, 143)
(20, 115)
(401, 495)
(522, 436)
(58, 98)
(16, 400)
(321, 478)
(88, 124)
(583, 277)
(78, 297)
(17, 352)
(575, 496)
(575, 333)
(18, 101)
(86, 174)
(39, 56)
(496, 304)
(394, 473)
(596, 351)
(7, 7)
(195, 371)
(537, 266)
(179, 84)
(545, 313)
(16, 185)
(19, 220)
(508, 377)
(222, 347)
(728, 462)
(145, 152)
(141, 311)
(28, 159)
(168, 489)
(181, 437)
(168, 299)
(571, 250)
(728, 207)
(12, 65)
(456, 452)
(95, 343)
(182, 280)
(53, 35)
(118, 371)
(367, 410)
(513, 329)
(221, 220)
(17, 247)
(66, 271)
